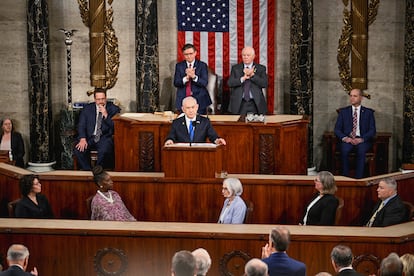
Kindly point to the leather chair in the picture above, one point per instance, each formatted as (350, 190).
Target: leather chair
(249, 211)
(410, 210)
(11, 206)
(88, 202)
(339, 209)
(212, 91)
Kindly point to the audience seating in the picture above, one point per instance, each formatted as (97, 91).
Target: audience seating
(11, 206)
(89, 206)
(249, 211)
(410, 210)
(339, 209)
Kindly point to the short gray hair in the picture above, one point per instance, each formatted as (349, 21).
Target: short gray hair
(391, 265)
(203, 261)
(256, 267)
(234, 186)
(17, 252)
(390, 182)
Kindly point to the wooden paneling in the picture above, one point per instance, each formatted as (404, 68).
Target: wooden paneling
(266, 148)
(153, 197)
(69, 247)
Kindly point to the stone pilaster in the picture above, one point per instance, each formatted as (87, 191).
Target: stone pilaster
(146, 43)
(38, 76)
(301, 65)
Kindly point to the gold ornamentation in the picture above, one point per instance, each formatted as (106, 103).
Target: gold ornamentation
(111, 44)
(344, 44)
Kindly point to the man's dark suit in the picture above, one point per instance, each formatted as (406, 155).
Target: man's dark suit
(202, 130)
(323, 211)
(343, 128)
(394, 212)
(257, 83)
(15, 271)
(349, 272)
(105, 145)
(280, 264)
(198, 88)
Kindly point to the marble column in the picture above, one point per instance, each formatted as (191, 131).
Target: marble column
(301, 65)
(39, 82)
(147, 63)
(408, 144)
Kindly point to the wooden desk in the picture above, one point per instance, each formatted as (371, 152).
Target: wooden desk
(278, 146)
(70, 247)
(277, 199)
(192, 160)
(380, 150)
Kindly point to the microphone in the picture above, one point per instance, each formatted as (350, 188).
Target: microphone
(193, 124)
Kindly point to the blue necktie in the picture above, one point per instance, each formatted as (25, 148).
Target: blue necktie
(191, 130)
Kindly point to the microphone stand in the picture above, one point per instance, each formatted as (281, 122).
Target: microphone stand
(193, 123)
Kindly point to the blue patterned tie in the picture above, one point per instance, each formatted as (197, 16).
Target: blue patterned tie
(191, 130)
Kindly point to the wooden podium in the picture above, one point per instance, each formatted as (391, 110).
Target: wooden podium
(196, 160)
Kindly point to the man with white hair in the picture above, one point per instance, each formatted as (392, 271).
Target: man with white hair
(255, 267)
(390, 209)
(18, 259)
(203, 261)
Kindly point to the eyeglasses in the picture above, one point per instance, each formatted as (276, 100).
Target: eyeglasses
(189, 54)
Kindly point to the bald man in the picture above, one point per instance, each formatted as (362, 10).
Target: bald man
(247, 80)
(18, 259)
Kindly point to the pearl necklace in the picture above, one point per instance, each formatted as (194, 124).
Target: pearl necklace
(110, 199)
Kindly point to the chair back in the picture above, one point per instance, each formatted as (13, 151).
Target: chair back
(339, 209)
(410, 210)
(11, 206)
(249, 211)
(88, 202)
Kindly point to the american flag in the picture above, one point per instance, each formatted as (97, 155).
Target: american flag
(219, 29)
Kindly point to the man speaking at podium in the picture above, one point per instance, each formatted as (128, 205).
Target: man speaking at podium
(192, 128)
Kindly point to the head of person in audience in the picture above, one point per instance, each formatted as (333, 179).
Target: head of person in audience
(190, 107)
(325, 183)
(408, 264)
(232, 187)
(6, 126)
(30, 185)
(279, 239)
(391, 266)
(355, 97)
(341, 257)
(248, 55)
(183, 264)
(189, 52)
(203, 261)
(387, 187)
(323, 273)
(102, 179)
(18, 254)
(255, 267)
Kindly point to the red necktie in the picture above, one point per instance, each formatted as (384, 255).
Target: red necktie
(354, 123)
(188, 86)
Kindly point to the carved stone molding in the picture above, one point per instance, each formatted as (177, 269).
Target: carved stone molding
(266, 153)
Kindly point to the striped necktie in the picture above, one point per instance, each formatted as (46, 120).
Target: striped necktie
(98, 128)
(354, 123)
(371, 221)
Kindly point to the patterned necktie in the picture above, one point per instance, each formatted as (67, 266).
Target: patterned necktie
(188, 86)
(354, 123)
(371, 221)
(191, 130)
(98, 128)
(246, 91)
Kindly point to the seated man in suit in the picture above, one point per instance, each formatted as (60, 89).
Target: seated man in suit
(191, 79)
(341, 257)
(18, 259)
(390, 209)
(192, 128)
(355, 128)
(95, 130)
(274, 255)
